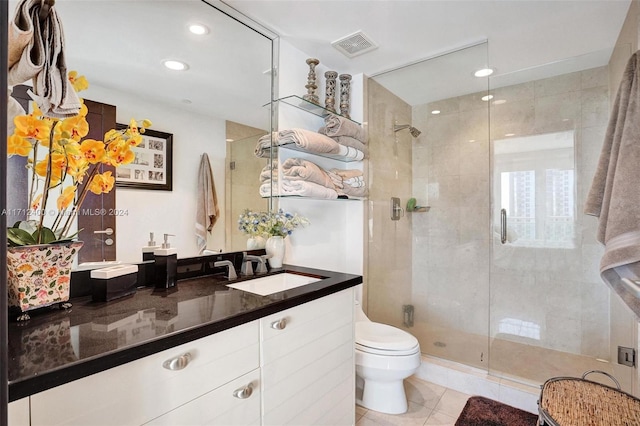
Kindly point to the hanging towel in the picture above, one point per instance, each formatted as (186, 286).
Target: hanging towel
(614, 196)
(207, 211)
(36, 48)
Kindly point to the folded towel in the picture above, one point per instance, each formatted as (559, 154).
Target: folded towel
(614, 197)
(356, 182)
(347, 141)
(309, 141)
(297, 187)
(299, 169)
(268, 173)
(351, 192)
(42, 59)
(263, 147)
(348, 173)
(340, 126)
(207, 211)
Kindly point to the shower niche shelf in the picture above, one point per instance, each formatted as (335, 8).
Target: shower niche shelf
(315, 109)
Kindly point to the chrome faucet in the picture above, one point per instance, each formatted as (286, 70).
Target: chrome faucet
(247, 265)
(232, 271)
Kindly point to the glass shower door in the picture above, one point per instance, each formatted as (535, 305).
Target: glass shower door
(550, 313)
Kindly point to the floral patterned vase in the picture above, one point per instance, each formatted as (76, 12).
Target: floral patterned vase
(275, 251)
(255, 243)
(40, 275)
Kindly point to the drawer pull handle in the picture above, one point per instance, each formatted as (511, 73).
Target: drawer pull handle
(244, 392)
(280, 324)
(177, 363)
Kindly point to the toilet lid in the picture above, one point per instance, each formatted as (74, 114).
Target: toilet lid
(382, 336)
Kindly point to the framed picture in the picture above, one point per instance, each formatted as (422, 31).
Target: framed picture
(153, 166)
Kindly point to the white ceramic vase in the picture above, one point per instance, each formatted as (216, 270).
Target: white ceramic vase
(275, 249)
(255, 243)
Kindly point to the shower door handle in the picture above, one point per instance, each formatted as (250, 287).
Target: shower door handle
(503, 226)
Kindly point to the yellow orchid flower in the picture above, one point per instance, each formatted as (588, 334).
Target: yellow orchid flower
(76, 126)
(65, 199)
(119, 154)
(36, 203)
(93, 150)
(77, 166)
(79, 83)
(17, 145)
(102, 183)
(58, 165)
(28, 126)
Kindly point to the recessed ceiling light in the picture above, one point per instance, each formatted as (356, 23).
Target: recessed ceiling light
(472, 140)
(485, 72)
(435, 112)
(487, 98)
(198, 29)
(230, 140)
(500, 101)
(509, 134)
(175, 65)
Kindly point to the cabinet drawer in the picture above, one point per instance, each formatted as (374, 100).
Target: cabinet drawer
(219, 407)
(139, 391)
(18, 412)
(312, 315)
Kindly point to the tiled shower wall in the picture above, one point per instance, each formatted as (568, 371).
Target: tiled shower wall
(390, 175)
(558, 290)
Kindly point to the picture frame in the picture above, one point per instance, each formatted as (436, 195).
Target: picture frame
(153, 165)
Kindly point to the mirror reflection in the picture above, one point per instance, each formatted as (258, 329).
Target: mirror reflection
(213, 106)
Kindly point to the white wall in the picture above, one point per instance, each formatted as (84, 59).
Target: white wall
(334, 240)
(171, 212)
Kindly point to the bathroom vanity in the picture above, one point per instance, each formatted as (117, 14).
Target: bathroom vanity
(204, 354)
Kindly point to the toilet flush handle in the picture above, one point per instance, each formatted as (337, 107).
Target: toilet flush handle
(280, 324)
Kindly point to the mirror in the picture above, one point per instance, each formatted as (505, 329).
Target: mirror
(120, 47)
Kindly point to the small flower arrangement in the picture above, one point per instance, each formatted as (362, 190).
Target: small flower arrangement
(270, 224)
(253, 224)
(68, 162)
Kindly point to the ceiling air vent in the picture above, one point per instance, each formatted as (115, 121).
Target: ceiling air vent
(354, 44)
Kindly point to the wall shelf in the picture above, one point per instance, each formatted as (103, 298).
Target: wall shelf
(315, 109)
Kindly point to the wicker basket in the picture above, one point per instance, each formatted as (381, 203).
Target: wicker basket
(570, 401)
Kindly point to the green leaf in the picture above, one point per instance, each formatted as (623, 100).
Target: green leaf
(37, 273)
(19, 237)
(52, 284)
(25, 300)
(47, 236)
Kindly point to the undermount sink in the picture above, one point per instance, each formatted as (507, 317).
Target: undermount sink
(88, 266)
(273, 283)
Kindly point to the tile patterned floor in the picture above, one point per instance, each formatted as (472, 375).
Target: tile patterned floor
(429, 405)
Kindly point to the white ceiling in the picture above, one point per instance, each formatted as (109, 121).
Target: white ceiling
(119, 44)
(526, 39)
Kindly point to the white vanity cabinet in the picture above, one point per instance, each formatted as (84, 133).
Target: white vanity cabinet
(18, 412)
(184, 378)
(307, 363)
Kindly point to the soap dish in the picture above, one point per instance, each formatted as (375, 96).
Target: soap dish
(113, 282)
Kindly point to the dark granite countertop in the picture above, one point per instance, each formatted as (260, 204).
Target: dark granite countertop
(62, 346)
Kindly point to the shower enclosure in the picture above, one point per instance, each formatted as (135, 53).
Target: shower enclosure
(501, 271)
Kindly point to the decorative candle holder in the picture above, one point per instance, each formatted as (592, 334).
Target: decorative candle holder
(330, 91)
(345, 88)
(311, 82)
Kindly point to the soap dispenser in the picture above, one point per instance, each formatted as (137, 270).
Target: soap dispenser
(147, 251)
(166, 265)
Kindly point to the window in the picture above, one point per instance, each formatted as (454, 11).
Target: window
(535, 182)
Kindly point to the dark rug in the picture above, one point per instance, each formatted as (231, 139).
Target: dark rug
(481, 411)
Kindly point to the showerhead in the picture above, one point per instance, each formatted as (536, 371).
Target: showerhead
(414, 132)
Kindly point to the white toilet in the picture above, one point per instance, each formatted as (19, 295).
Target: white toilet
(385, 356)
